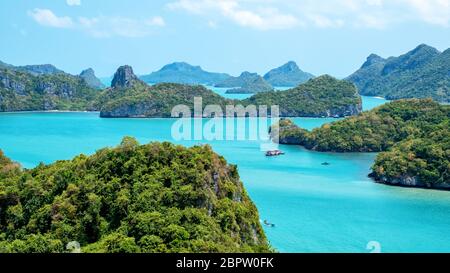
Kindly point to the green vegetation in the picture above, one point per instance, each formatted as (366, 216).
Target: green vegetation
(256, 85)
(323, 96)
(413, 136)
(22, 91)
(152, 198)
(141, 100)
(425, 159)
(420, 73)
(246, 83)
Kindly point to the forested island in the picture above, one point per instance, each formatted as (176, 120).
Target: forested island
(25, 91)
(246, 83)
(413, 137)
(421, 73)
(132, 198)
(131, 97)
(321, 97)
(324, 96)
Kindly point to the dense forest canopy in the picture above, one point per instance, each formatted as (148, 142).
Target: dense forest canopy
(412, 134)
(323, 96)
(157, 197)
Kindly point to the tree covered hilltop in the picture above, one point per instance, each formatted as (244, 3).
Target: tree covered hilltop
(324, 96)
(413, 137)
(133, 198)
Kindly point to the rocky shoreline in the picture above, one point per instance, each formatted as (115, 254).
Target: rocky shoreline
(407, 182)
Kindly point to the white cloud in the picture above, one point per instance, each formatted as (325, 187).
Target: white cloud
(46, 17)
(156, 21)
(325, 22)
(101, 26)
(262, 18)
(432, 11)
(107, 26)
(73, 2)
(271, 14)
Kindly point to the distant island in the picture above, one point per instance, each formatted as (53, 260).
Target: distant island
(246, 83)
(420, 73)
(31, 91)
(324, 96)
(39, 69)
(184, 73)
(130, 97)
(287, 75)
(92, 81)
(413, 137)
(129, 199)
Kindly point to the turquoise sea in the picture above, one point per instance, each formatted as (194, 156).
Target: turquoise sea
(315, 208)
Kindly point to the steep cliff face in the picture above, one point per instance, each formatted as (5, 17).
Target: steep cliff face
(124, 77)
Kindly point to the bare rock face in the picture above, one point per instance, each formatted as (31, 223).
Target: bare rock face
(124, 77)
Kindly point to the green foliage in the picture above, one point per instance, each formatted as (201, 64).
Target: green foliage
(426, 158)
(320, 97)
(22, 91)
(154, 101)
(152, 198)
(420, 73)
(413, 136)
(246, 83)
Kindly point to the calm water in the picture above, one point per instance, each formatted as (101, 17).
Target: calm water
(315, 208)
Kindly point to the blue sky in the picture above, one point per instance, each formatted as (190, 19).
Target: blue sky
(332, 37)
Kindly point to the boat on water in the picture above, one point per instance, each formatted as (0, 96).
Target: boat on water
(267, 223)
(326, 164)
(274, 153)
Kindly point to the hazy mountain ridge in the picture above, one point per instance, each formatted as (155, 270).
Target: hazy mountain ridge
(182, 72)
(287, 75)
